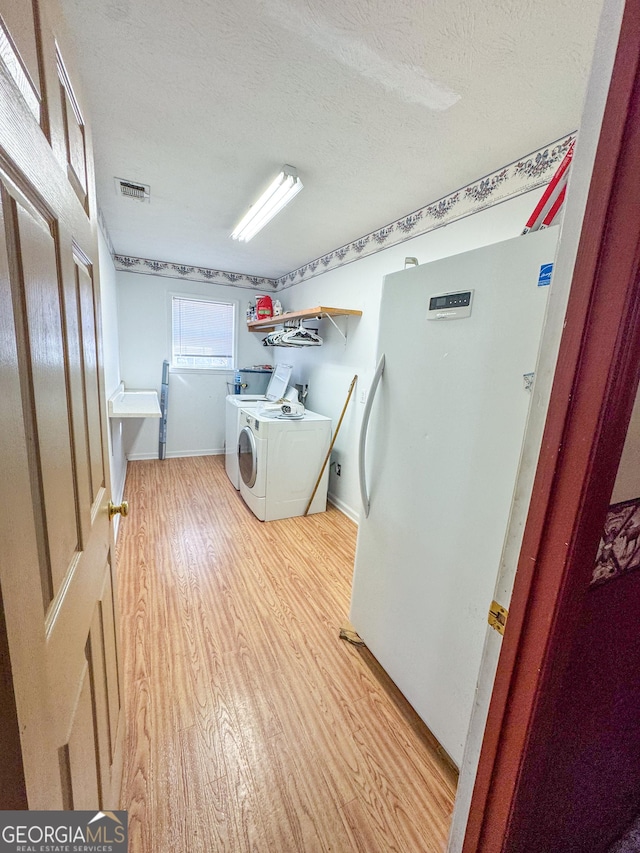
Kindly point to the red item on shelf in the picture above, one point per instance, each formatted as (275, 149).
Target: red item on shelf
(264, 307)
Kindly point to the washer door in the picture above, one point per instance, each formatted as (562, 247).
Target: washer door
(247, 457)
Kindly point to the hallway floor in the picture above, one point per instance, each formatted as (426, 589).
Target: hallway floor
(251, 726)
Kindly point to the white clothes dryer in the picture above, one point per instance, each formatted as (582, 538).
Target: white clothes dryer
(233, 406)
(279, 460)
(233, 411)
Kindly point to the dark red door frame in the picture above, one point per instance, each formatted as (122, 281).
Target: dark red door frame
(590, 407)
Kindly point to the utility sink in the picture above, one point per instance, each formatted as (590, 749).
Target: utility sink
(134, 404)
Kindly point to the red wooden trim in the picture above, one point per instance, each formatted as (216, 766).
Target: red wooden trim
(549, 566)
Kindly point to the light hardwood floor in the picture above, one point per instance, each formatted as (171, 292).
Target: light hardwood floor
(251, 725)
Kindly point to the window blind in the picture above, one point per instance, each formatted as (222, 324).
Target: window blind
(203, 333)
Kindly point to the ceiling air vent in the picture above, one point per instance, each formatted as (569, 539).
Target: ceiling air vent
(133, 190)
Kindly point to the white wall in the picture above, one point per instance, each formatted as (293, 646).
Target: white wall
(111, 363)
(196, 409)
(195, 421)
(627, 485)
(330, 368)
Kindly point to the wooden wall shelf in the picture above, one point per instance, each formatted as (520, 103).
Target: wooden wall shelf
(269, 323)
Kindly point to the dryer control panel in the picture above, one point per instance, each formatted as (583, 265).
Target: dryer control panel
(248, 420)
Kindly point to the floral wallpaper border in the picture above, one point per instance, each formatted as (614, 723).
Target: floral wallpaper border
(528, 173)
(147, 266)
(619, 551)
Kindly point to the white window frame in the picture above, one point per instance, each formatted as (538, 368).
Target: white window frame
(199, 297)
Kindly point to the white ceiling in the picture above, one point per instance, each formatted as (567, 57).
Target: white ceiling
(382, 105)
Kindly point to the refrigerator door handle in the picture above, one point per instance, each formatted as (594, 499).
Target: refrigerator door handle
(363, 436)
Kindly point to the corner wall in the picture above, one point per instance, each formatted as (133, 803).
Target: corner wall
(196, 400)
(111, 363)
(195, 421)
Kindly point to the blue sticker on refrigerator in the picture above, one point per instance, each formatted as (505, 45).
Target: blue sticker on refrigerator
(544, 278)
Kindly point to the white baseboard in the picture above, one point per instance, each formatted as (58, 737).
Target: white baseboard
(180, 453)
(176, 454)
(118, 488)
(343, 507)
(117, 494)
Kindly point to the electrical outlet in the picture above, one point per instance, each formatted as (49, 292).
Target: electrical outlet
(338, 469)
(363, 396)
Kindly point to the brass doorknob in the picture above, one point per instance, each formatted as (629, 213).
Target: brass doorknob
(122, 508)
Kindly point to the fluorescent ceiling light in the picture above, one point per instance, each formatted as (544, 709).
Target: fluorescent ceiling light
(273, 199)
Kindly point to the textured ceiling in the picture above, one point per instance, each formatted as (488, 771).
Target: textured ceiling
(381, 106)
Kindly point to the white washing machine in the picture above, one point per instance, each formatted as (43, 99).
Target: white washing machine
(279, 460)
(233, 406)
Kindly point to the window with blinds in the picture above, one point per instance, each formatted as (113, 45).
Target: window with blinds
(203, 333)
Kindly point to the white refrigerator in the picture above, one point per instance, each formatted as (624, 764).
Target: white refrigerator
(439, 452)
